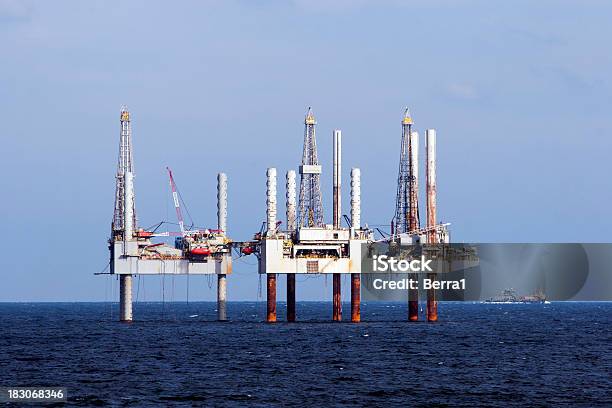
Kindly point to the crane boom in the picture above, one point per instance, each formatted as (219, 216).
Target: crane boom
(177, 206)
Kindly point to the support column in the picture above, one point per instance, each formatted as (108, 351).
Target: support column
(271, 292)
(291, 297)
(413, 301)
(128, 213)
(125, 298)
(356, 198)
(430, 140)
(291, 219)
(337, 301)
(413, 219)
(432, 303)
(291, 225)
(221, 297)
(356, 225)
(355, 297)
(337, 181)
(222, 203)
(271, 202)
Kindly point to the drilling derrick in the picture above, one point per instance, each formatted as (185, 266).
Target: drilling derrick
(133, 252)
(125, 169)
(308, 246)
(406, 203)
(310, 205)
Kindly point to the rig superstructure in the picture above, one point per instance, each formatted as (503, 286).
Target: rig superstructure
(132, 252)
(405, 226)
(308, 246)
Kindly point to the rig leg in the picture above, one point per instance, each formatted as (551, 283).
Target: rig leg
(222, 297)
(271, 292)
(355, 297)
(337, 304)
(413, 303)
(125, 298)
(291, 297)
(432, 304)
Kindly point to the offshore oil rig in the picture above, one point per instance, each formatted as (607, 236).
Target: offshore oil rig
(196, 252)
(306, 245)
(406, 225)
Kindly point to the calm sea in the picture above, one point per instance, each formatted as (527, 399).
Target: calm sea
(177, 355)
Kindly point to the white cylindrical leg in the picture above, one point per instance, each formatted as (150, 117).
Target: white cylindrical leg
(430, 140)
(128, 214)
(356, 198)
(125, 298)
(291, 204)
(337, 178)
(414, 152)
(271, 201)
(222, 202)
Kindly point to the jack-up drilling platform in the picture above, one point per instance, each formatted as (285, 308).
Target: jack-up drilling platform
(132, 252)
(307, 245)
(405, 226)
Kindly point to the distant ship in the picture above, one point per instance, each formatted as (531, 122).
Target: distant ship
(510, 296)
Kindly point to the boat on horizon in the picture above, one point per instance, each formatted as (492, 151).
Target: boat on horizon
(508, 296)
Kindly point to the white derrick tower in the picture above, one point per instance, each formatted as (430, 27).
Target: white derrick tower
(124, 219)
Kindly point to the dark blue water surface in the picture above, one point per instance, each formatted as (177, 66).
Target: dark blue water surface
(497, 355)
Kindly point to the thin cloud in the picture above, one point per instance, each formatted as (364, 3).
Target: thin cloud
(463, 91)
(329, 5)
(14, 11)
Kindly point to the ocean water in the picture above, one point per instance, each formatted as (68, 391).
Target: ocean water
(175, 354)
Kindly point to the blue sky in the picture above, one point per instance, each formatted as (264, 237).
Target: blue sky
(520, 94)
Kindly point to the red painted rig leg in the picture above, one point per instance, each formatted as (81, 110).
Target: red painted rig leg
(355, 297)
(432, 304)
(271, 292)
(291, 297)
(337, 312)
(413, 304)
